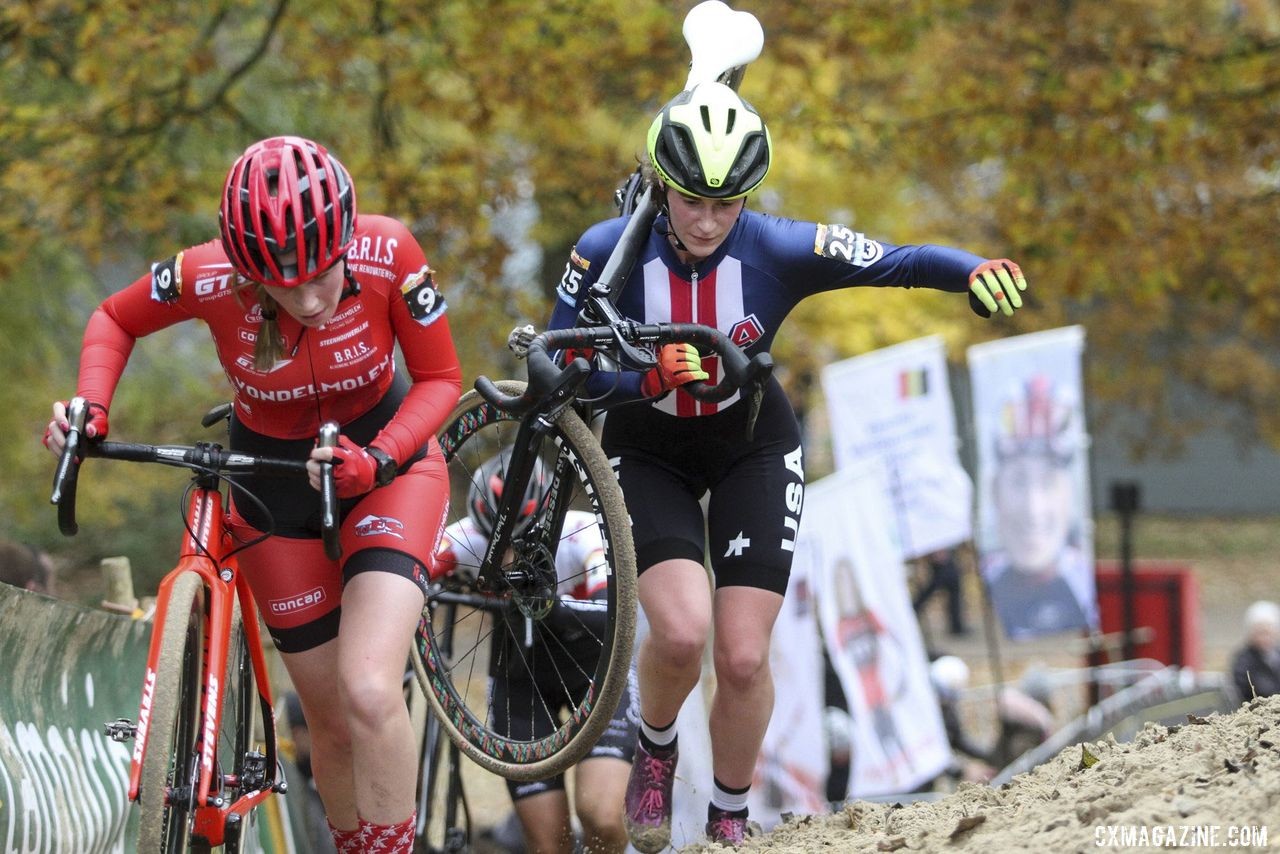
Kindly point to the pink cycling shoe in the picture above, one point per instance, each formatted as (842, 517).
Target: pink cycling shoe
(648, 803)
(728, 829)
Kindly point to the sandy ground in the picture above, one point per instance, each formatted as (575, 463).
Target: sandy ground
(1163, 778)
(1212, 782)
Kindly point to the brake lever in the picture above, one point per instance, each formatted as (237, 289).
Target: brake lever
(631, 357)
(328, 495)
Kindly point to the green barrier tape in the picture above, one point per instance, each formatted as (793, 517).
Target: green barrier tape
(65, 671)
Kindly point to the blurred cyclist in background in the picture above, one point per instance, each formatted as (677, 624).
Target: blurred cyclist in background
(519, 701)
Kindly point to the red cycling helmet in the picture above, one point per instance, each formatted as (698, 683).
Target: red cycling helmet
(281, 188)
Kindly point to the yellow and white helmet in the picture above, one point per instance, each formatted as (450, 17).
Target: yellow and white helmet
(709, 142)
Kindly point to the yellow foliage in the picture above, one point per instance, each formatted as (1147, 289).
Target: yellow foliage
(1122, 152)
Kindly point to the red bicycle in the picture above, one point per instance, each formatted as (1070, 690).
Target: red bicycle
(204, 742)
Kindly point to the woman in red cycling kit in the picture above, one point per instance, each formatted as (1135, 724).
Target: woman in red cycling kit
(306, 305)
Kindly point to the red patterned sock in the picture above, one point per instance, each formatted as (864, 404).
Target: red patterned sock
(346, 841)
(389, 838)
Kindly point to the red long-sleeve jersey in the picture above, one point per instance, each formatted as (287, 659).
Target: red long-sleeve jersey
(337, 371)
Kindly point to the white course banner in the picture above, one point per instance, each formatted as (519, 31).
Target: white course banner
(847, 545)
(1035, 530)
(894, 405)
(791, 770)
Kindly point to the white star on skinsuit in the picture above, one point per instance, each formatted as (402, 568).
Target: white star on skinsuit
(737, 545)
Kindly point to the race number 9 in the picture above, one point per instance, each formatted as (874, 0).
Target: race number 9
(166, 279)
(421, 296)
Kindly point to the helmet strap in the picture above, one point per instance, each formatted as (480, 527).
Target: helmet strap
(665, 210)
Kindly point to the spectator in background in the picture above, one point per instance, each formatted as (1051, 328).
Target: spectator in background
(23, 565)
(1255, 669)
(950, 677)
(944, 577)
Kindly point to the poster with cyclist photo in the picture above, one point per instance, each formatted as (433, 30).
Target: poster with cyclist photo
(1035, 530)
(871, 633)
(894, 405)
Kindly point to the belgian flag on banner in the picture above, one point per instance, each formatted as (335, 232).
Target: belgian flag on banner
(913, 383)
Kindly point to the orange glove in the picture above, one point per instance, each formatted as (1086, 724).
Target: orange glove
(677, 364)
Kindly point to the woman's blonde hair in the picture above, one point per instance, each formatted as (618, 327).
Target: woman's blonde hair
(269, 347)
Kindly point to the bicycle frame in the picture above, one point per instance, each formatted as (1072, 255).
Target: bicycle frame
(207, 552)
(202, 553)
(529, 438)
(552, 388)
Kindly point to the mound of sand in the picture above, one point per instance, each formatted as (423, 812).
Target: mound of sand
(1211, 780)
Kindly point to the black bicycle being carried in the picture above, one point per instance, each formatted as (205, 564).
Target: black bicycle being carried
(504, 618)
(511, 588)
(501, 617)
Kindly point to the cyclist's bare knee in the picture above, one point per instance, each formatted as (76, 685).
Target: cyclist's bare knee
(678, 650)
(371, 703)
(741, 668)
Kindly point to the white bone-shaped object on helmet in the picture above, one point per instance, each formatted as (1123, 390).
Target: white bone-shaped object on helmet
(719, 39)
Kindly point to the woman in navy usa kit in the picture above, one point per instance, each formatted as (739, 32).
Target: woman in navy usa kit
(709, 260)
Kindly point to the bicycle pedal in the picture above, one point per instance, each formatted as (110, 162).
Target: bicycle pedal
(518, 340)
(121, 730)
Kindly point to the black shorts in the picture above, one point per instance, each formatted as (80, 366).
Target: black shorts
(517, 710)
(666, 464)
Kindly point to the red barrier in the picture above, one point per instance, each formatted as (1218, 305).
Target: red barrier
(1166, 600)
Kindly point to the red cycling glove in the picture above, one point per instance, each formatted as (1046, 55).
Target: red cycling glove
(354, 470)
(677, 364)
(95, 422)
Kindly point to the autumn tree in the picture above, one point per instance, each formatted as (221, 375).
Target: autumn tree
(1122, 152)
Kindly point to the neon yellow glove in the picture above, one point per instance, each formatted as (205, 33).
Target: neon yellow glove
(998, 284)
(677, 364)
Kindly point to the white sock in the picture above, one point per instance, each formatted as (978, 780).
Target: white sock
(728, 800)
(664, 737)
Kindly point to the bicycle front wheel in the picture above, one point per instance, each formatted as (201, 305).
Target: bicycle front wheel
(171, 764)
(557, 696)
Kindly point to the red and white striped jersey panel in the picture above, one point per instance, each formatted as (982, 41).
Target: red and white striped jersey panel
(714, 300)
